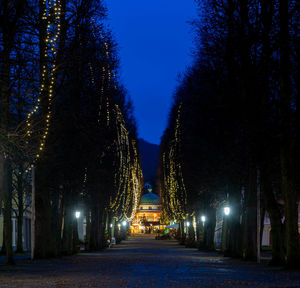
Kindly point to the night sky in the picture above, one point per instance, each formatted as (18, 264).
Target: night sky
(155, 41)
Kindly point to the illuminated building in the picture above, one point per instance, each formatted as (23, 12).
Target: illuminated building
(147, 218)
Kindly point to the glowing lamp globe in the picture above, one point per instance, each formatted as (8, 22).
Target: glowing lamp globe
(226, 211)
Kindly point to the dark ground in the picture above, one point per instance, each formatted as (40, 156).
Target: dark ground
(144, 262)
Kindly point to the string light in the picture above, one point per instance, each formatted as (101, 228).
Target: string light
(128, 177)
(173, 191)
(51, 15)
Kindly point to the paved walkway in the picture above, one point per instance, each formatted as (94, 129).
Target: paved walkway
(145, 262)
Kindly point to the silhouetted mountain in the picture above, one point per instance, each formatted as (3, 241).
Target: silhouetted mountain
(149, 153)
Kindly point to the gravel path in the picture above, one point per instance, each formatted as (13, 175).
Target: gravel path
(144, 262)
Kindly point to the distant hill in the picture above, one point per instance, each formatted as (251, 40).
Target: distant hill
(149, 153)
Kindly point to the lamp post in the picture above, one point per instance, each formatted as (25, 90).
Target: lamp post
(77, 214)
(32, 211)
(125, 227)
(226, 211)
(111, 230)
(187, 227)
(202, 235)
(78, 230)
(203, 219)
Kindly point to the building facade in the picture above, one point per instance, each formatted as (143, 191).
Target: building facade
(147, 218)
(26, 230)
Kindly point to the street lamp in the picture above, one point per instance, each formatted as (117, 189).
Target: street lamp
(226, 210)
(225, 233)
(77, 214)
(111, 225)
(187, 227)
(203, 219)
(124, 223)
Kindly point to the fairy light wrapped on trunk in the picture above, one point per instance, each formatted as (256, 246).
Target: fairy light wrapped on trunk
(174, 196)
(51, 16)
(128, 175)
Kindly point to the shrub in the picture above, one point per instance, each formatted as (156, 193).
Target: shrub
(190, 242)
(163, 237)
(181, 239)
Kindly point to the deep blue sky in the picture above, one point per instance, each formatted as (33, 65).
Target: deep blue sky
(155, 44)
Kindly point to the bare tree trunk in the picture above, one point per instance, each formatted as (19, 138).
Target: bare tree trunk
(102, 230)
(6, 180)
(286, 153)
(43, 214)
(272, 207)
(93, 243)
(57, 215)
(43, 207)
(181, 231)
(88, 229)
(20, 234)
(70, 239)
(9, 29)
(209, 229)
(1, 179)
(250, 229)
(7, 188)
(20, 195)
(68, 248)
(234, 226)
(75, 236)
(3, 248)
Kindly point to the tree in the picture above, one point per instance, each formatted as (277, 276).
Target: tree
(11, 16)
(232, 113)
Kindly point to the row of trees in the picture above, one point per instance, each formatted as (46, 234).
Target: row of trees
(234, 126)
(67, 121)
